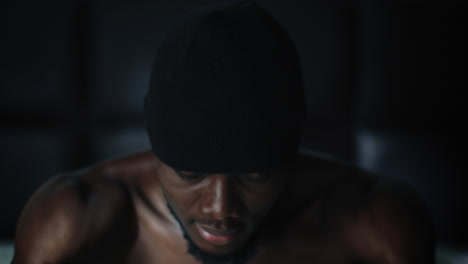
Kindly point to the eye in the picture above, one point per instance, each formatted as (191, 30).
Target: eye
(191, 176)
(255, 177)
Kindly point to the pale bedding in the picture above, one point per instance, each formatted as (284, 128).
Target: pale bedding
(444, 255)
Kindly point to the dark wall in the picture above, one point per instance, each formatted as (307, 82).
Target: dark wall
(383, 86)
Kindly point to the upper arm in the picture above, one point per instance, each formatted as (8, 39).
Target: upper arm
(395, 227)
(69, 220)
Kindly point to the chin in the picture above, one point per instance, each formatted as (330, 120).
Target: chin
(222, 254)
(218, 245)
(240, 252)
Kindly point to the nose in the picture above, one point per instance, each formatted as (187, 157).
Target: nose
(219, 199)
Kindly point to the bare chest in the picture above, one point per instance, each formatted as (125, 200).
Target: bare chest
(156, 252)
(159, 244)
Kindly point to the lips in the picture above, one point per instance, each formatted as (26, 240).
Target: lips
(218, 236)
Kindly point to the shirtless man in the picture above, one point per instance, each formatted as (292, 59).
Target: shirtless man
(224, 182)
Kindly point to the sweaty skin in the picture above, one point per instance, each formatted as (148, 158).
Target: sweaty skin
(316, 211)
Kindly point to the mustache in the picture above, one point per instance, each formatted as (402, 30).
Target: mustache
(224, 224)
(242, 256)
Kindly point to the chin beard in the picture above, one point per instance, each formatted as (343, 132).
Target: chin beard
(240, 256)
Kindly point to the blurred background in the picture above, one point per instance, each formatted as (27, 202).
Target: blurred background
(384, 85)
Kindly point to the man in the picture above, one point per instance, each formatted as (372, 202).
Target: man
(224, 182)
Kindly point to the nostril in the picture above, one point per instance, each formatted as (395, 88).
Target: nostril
(219, 206)
(220, 201)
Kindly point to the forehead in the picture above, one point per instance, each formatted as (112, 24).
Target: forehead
(286, 168)
(221, 172)
(166, 166)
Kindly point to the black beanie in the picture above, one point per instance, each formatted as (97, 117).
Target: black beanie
(226, 92)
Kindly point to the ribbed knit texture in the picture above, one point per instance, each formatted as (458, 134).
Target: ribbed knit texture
(226, 92)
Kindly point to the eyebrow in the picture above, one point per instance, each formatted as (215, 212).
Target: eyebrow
(190, 173)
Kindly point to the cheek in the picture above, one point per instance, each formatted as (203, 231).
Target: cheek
(261, 201)
(176, 196)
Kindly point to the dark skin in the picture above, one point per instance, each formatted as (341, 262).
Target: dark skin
(313, 211)
(220, 203)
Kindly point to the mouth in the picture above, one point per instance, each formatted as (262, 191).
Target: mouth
(218, 236)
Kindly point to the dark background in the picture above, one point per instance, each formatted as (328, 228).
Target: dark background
(384, 86)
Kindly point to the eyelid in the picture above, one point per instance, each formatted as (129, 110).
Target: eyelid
(192, 176)
(256, 177)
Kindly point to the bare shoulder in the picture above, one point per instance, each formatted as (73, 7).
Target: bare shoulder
(363, 216)
(129, 168)
(394, 226)
(77, 217)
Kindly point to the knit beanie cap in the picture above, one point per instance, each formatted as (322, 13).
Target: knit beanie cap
(226, 92)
